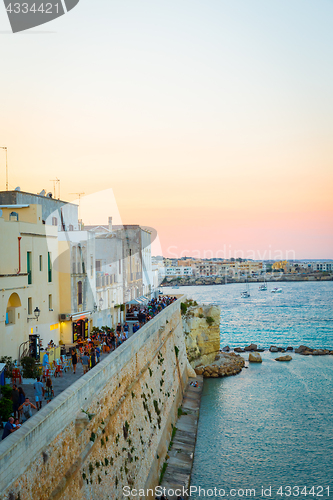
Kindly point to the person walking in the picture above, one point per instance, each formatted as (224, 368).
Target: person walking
(39, 393)
(74, 360)
(85, 363)
(92, 358)
(16, 400)
(98, 354)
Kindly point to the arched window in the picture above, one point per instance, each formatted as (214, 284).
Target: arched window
(79, 293)
(13, 216)
(14, 301)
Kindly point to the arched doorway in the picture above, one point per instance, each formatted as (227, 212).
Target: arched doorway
(14, 301)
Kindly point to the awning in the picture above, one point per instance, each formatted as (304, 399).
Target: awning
(137, 302)
(81, 315)
(144, 299)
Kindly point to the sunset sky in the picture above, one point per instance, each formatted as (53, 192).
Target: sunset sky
(211, 121)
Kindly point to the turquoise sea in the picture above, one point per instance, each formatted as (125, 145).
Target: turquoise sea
(271, 426)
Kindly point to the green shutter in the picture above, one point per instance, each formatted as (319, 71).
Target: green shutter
(49, 267)
(29, 270)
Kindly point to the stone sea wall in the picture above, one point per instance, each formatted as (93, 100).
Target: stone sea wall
(109, 429)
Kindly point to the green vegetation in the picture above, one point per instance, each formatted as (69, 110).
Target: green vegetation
(164, 467)
(181, 412)
(176, 351)
(29, 367)
(201, 315)
(210, 320)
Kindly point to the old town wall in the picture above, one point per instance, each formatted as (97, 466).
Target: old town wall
(110, 429)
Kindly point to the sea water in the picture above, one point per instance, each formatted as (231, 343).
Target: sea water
(268, 432)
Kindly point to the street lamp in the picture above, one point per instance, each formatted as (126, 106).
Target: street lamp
(37, 313)
(5, 148)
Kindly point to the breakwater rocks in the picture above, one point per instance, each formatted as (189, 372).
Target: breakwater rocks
(224, 365)
(303, 350)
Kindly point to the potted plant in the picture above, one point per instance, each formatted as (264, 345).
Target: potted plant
(30, 371)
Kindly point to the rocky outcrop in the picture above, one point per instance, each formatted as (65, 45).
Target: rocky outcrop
(251, 347)
(284, 358)
(224, 365)
(201, 326)
(254, 357)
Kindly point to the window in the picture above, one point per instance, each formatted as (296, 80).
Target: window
(79, 293)
(13, 216)
(49, 267)
(71, 227)
(54, 221)
(119, 266)
(29, 268)
(29, 305)
(41, 263)
(50, 303)
(91, 266)
(98, 265)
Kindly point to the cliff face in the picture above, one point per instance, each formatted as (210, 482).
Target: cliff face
(201, 325)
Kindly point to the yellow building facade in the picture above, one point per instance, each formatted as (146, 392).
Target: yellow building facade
(29, 284)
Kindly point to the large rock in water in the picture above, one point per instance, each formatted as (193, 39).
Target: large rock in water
(254, 357)
(251, 347)
(284, 358)
(274, 348)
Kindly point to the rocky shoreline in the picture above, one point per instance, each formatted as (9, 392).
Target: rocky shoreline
(302, 349)
(225, 365)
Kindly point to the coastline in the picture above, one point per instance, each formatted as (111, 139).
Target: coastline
(208, 281)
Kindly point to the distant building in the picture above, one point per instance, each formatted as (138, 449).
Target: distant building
(323, 266)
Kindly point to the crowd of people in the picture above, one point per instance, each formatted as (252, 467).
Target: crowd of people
(141, 315)
(89, 354)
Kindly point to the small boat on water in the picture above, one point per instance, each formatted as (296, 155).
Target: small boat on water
(276, 290)
(263, 287)
(175, 286)
(246, 293)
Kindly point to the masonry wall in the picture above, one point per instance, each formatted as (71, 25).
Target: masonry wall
(110, 429)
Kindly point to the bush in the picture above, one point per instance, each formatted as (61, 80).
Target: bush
(29, 367)
(183, 308)
(6, 391)
(122, 307)
(6, 408)
(210, 320)
(201, 315)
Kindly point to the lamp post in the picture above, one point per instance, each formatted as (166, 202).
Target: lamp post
(5, 148)
(37, 313)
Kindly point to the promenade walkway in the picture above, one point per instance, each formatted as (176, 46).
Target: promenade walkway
(60, 383)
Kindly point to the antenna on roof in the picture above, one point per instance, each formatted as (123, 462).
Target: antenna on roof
(56, 183)
(79, 196)
(6, 149)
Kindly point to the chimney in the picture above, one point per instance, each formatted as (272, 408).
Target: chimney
(110, 224)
